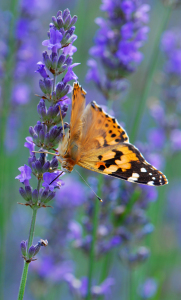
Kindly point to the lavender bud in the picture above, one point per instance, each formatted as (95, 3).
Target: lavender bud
(46, 60)
(23, 194)
(41, 108)
(38, 127)
(47, 137)
(54, 59)
(59, 13)
(38, 166)
(42, 158)
(35, 196)
(37, 248)
(61, 60)
(23, 248)
(50, 113)
(64, 91)
(31, 251)
(72, 38)
(54, 163)
(69, 61)
(53, 133)
(28, 192)
(46, 167)
(48, 85)
(65, 13)
(42, 86)
(44, 195)
(73, 21)
(70, 31)
(59, 88)
(41, 136)
(50, 197)
(32, 132)
(54, 20)
(60, 22)
(66, 39)
(67, 22)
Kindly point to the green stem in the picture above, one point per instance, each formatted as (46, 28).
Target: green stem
(94, 234)
(26, 265)
(150, 72)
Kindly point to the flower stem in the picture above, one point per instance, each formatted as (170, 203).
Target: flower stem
(26, 265)
(94, 234)
(150, 72)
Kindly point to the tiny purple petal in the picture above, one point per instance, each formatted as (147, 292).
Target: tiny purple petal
(69, 50)
(54, 42)
(70, 75)
(49, 177)
(25, 174)
(42, 70)
(21, 94)
(30, 145)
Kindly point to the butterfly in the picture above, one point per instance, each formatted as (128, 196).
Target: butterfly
(97, 142)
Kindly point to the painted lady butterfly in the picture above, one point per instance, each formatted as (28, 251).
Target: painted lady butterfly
(97, 142)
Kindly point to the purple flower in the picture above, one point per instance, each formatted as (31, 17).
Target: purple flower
(21, 94)
(70, 75)
(117, 44)
(92, 73)
(156, 137)
(176, 139)
(127, 53)
(30, 145)
(71, 195)
(54, 42)
(25, 174)
(148, 289)
(42, 70)
(69, 50)
(49, 177)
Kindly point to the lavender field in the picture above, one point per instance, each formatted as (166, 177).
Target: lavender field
(68, 231)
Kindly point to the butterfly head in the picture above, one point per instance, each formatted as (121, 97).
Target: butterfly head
(67, 165)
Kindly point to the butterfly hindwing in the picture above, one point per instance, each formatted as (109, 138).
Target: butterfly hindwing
(126, 162)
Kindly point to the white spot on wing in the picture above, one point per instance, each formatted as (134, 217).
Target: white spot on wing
(150, 173)
(132, 179)
(153, 178)
(150, 183)
(143, 170)
(135, 175)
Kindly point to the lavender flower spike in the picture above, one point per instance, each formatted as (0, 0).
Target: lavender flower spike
(48, 132)
(118, 43)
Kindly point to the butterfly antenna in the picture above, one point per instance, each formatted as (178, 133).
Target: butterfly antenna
(56, 178)
(89, 187)
(46, 152)
(61, 120)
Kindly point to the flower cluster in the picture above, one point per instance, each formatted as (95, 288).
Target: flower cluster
(56, 266)
(27, 30)
(123, 222)
(117, 44)
(167, 112)
(47, 133)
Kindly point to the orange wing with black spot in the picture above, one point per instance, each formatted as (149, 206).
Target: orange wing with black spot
(105, 148)
(123, 161)
(97, 142)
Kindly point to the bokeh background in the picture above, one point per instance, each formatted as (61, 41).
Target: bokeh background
(123, 269)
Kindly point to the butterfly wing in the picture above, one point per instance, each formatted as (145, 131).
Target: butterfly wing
(78, 107)
(123, 161)
(100, 129)
(105, 149)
